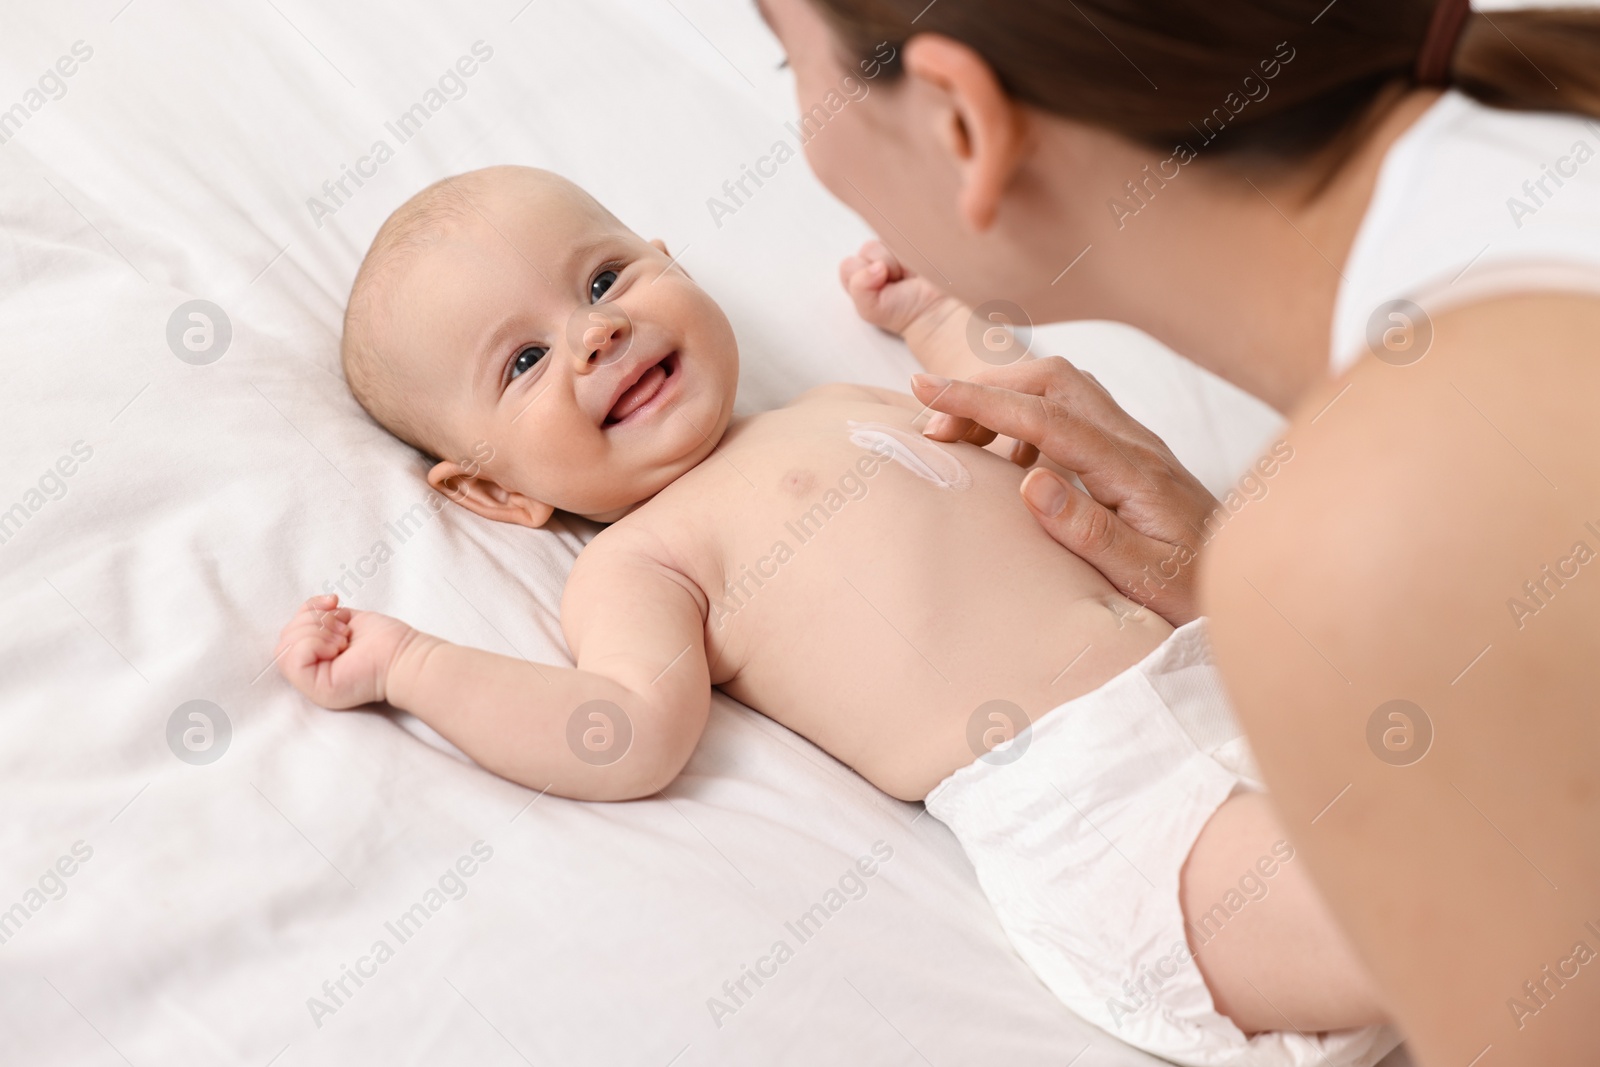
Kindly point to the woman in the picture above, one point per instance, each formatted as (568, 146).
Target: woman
(1406, 621)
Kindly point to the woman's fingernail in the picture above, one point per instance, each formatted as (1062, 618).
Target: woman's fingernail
(929, 381)
(1044, 492)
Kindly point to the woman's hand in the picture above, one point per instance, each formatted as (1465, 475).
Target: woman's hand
(1141, 523)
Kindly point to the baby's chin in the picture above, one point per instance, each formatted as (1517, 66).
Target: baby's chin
(610, 510)
(615, 513)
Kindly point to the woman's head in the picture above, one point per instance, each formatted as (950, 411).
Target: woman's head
(1150, 68)
(1033, 117)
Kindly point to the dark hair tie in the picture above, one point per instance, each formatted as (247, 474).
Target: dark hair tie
(1439, 44)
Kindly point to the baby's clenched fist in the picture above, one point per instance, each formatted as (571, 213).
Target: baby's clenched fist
(885, 293)
(338, 657)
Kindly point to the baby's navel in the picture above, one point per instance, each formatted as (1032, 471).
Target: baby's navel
(922, 457)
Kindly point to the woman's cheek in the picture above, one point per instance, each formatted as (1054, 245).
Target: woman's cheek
(817, 159)
(831, 159)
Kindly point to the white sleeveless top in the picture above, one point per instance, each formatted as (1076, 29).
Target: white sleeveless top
(1472, 201)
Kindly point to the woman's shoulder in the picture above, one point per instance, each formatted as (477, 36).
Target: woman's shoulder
(1465, 203)
(1422, 495)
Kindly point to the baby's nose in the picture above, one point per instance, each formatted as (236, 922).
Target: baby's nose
(599, 335)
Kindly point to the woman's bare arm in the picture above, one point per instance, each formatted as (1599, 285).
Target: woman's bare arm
(1411, 632)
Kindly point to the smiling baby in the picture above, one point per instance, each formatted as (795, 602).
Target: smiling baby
(884, 595)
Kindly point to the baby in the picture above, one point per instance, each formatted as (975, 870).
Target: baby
(882, 594)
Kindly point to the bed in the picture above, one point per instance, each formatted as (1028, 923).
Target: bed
(200, 867)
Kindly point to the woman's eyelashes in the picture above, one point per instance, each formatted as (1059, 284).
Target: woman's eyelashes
(602, 282)
(525, 360)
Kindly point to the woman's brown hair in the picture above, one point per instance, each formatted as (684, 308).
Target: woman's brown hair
(1167, 72)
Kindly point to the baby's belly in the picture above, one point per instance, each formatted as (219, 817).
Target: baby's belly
(883, 620)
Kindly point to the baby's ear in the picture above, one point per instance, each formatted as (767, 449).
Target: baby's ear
(661, 246)
(484, 496)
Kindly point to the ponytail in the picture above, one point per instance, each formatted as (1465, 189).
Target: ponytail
(1268, 77)
(1534, 59)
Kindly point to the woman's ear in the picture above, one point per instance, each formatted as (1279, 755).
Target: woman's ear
(982, 128)
(484, 496)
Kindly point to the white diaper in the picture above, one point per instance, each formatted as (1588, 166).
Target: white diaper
(1078, 842)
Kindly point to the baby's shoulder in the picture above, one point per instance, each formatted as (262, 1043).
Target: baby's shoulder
(630, 547)
(632, 539)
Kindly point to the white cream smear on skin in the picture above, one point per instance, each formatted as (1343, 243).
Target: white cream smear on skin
(915, 453)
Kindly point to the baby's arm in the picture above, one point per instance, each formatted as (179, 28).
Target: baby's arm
(935, 328)
(933, 324)
(619, 725)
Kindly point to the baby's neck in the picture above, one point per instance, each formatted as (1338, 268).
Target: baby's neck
(730, 431)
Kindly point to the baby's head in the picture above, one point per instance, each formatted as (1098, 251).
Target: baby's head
(507, 323)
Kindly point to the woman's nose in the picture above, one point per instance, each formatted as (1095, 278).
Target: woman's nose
(599, 335)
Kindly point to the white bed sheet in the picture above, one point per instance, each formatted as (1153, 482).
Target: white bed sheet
(217, 899)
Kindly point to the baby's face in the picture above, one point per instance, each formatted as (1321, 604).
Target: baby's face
(548, 336)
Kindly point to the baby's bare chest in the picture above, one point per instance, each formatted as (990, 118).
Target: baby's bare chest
(869, 589)
(817, 525)
(849, 481)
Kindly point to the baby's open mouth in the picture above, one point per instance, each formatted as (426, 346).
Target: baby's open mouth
(649, 385)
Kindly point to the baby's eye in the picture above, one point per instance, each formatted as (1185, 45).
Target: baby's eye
(526, 359)
(601, 283)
